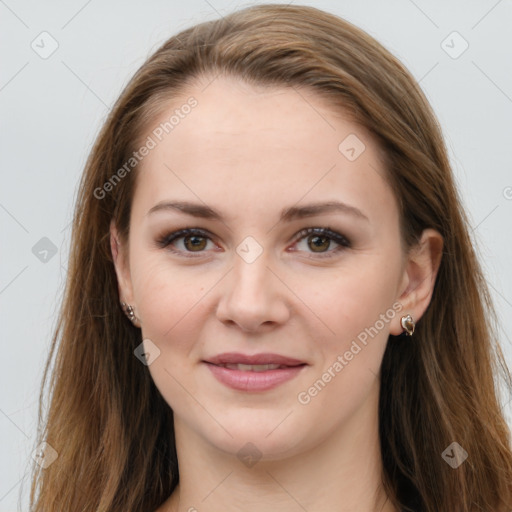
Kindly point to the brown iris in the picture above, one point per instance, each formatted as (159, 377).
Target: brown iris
(197, 242)
(316, 245)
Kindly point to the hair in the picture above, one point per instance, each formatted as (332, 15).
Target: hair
(110, 426)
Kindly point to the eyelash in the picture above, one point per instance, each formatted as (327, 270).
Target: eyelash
(344, 243)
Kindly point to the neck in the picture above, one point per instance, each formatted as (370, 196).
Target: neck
(343, 474)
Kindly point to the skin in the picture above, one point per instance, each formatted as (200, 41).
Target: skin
(248, 152)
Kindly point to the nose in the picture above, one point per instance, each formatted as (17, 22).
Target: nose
(253, 296)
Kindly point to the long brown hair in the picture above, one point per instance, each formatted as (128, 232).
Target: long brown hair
(109, 425)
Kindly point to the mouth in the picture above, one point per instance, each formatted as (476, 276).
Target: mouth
(259, 372)
(253, 360)
(256, 367)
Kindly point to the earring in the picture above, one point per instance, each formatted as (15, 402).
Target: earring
(408, 325)
(129, 312)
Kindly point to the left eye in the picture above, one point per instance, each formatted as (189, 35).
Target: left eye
(317, 239)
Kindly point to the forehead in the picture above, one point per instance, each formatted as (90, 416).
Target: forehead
(256, 147)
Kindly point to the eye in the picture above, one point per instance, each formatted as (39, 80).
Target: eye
(319, 241)
(196, 240)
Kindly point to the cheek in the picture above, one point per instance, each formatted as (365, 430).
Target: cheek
(169, 302)
(357, 306)
(354, 300)
(166, 296)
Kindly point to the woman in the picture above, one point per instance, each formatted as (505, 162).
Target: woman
(273, 302)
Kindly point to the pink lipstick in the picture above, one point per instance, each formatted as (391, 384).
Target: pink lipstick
(257, 372)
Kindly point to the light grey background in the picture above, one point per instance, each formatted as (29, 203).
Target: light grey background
(52, 109)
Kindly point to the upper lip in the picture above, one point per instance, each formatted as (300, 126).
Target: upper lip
(266, 358)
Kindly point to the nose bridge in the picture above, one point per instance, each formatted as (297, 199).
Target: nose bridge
(253, 294)
(252, 279)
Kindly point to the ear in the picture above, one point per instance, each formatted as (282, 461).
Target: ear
(121, 265)
(419, 277)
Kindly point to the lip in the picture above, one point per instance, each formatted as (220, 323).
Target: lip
(265, 358)
(250, 380)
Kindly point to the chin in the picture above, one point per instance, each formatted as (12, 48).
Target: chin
(265, 440)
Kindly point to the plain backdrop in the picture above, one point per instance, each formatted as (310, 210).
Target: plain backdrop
(65, 63)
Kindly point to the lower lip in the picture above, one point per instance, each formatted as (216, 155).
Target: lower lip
(253, 381)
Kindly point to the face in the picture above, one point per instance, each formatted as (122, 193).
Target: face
(251, 279)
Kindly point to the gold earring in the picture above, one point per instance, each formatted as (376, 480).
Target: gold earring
(408, 324)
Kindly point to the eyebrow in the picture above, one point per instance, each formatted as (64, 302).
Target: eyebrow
(287, 214)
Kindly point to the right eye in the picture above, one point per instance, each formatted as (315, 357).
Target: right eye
(194, 241)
